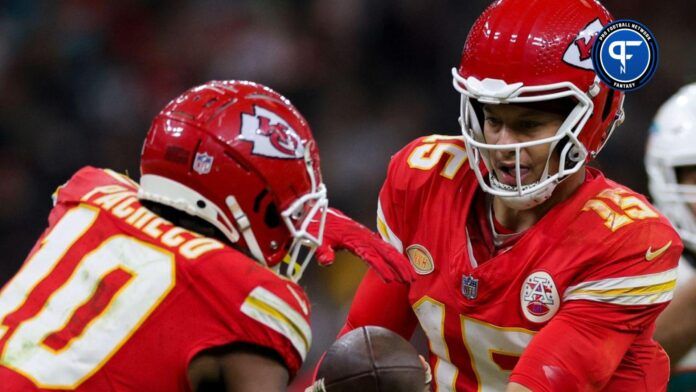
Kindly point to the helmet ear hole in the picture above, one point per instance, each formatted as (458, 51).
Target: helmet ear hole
(607, 104)
(271, 217)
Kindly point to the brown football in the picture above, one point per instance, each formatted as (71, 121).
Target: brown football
(372, 359)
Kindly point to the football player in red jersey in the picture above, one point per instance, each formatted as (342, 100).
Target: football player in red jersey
(535, 272)
(182, 281)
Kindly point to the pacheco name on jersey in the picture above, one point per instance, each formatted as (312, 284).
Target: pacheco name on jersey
(122, 202)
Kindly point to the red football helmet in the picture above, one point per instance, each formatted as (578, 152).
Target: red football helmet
(522, 51)
(240, 156)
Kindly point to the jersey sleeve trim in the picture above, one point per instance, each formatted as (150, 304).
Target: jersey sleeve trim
(631, 290)
(273, 312)
(385, 231)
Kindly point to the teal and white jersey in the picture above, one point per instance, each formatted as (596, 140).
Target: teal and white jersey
(683, 379)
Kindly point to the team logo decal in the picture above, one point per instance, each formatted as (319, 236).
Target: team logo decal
(579, 53)
(202, 163)
(271, 135)
(539, 297)
(421, 259)
(625, 55)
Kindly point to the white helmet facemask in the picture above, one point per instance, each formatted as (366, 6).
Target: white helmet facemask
(573, 153)
(297, 217)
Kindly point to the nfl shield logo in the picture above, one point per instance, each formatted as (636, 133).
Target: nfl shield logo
(469, 286)
(202, 163)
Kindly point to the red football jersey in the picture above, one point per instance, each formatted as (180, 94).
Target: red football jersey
(113, 297)
(570, 305)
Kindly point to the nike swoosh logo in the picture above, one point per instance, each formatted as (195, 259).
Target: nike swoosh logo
(650, 255)
(302, 303)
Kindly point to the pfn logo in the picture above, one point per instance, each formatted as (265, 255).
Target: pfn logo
(625, 55)
(621, 54)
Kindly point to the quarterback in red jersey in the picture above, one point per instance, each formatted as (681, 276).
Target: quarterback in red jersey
(186, 280)
(535, 272)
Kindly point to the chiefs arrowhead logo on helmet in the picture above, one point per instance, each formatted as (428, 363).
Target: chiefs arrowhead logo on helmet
(271, 135)
(579, 53)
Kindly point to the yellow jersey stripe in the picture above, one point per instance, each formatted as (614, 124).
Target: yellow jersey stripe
(382, 228)
(273, 312)
(627, 300)
(630, 290)
(385, 231)
(626, 282)
(655, 289)
(264, 307)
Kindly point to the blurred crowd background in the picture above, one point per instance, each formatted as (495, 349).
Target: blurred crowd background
(80, 81)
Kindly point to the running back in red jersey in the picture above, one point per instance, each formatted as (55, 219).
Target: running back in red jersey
(114, 297)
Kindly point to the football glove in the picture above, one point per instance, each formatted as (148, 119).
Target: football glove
(343, 233)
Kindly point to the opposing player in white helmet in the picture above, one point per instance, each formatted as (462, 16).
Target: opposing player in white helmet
(671, 164)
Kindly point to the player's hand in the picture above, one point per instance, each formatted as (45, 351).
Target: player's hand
(343, 233)
(428, 373)
(318, 386)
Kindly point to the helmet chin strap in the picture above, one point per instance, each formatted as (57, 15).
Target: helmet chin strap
(526, 201)
(244, 227)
